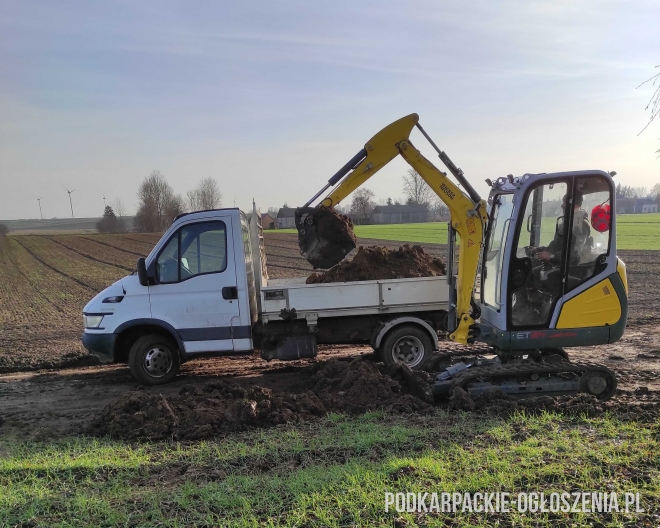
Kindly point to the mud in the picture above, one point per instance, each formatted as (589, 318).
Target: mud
(379, 263)
(51, 404)
(496, 402)
(218, 407)
(335, 237)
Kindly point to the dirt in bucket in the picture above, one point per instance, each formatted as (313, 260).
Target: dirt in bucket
(379, 263)
(328, 239)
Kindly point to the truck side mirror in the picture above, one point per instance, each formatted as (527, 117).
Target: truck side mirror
(142, 272)
(559, 228)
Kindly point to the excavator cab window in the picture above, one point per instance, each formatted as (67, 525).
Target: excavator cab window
(536, 265)
(491, 277)
(590, 234)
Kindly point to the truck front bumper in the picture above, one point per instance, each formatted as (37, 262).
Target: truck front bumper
(100, 345)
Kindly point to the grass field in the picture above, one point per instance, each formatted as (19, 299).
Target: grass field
(634, 231)
(333, 473)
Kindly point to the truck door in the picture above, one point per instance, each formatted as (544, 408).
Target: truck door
(196, 285)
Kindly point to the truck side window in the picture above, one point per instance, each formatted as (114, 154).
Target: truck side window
(168, 262)
(194, 249)
(203, 249)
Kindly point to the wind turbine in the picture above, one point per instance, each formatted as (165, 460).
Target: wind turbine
(70, 201)
(104, 204)
(40, 213)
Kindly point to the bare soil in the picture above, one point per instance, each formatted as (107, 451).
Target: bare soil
(106, 400)
(40, 307)
(379, 262)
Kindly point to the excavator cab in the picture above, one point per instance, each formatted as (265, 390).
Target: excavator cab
(550, 274)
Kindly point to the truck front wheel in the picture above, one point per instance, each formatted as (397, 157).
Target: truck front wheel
(407, 344)
(153, 360)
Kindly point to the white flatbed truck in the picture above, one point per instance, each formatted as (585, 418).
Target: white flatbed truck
(204, 290)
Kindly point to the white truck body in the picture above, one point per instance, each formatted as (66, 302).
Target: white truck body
(235, 307)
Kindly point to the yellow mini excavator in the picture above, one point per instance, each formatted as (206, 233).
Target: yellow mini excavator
(536, 272)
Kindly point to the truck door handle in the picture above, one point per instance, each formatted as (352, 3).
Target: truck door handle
(230, 292)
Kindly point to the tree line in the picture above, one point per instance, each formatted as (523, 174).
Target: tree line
(159, 204)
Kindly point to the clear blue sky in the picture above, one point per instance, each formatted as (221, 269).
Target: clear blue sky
(270, 98)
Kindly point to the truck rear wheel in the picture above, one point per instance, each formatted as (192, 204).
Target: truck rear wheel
(154, 360)
(407, 344)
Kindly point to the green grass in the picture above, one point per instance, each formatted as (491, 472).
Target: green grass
(634, 231)
(330, 473)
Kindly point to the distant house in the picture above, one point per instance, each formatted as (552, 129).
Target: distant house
(268, 222)
(286, 218)
(400, 214)
(636, 205)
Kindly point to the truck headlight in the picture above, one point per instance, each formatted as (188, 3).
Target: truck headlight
(92, 321)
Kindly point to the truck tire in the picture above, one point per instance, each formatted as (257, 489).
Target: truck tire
(407, 344)
(154, 359)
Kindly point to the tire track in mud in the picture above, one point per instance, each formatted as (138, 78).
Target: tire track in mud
(90, 257)
(114, 247)
(74, 279)
(34, 286)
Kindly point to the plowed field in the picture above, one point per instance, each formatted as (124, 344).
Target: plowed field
(48, 279)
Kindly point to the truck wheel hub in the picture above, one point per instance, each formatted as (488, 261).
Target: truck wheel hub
(408, 350)
(158, 361)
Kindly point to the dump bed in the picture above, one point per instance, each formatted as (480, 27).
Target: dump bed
(340, 299)
(276, 299)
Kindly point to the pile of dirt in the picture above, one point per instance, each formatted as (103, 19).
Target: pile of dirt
(219, 407)
(379, 263)
(335, 237)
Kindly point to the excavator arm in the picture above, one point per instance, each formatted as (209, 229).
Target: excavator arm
(468, 211)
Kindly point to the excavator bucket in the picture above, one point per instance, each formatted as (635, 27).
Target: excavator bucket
(325, 237)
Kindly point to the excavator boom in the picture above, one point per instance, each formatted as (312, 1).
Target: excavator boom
(468, 211)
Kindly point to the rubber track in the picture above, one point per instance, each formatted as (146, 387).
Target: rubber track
(74, 279)
(90, 257)
(507, 371)
(27, 278)
(114, 247)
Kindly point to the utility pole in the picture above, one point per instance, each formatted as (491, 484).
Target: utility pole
(70, 201)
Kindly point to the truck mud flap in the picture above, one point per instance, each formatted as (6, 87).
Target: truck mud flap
(288, 348)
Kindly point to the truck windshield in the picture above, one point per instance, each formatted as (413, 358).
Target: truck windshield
(491, 275)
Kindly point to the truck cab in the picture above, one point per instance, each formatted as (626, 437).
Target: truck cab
(196, 299)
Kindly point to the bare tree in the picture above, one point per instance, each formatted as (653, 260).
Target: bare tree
(119, 207)
(206, 196)
(158, 204)
(655, 190)
(194, 202)
(416, 189)
(628, 191)
(654, 102)
(440, 210)
(209, 194)
(363, 202)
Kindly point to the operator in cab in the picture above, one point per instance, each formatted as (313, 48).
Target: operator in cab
(545, 284)
(581, 231)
